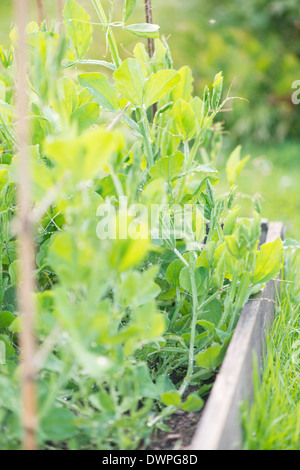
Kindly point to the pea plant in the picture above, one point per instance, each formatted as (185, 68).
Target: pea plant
(142, 268)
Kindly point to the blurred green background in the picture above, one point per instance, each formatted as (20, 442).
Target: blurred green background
(256, 43)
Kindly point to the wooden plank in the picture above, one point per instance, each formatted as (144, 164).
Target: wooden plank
(219, 427)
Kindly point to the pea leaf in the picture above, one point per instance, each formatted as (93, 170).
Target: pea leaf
(85, 116)
(234, 248)
(159, 84)
(144, 30)
(210, 358)
(184, 89)
(9, 350)
(235, 165)
(185, 119)
(173, 272)
(171, 398)
(78, 27)
(217, 90)
(168, 167)
(13, 272)
(200, 278)
(212, 312)
(192, 404)
(85, 155)
(129, 7)
(6, 319)
(268, 262)
(99, 86)
(58, 425)
(130, 79)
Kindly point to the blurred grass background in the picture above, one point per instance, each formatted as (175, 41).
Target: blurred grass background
(257, 46)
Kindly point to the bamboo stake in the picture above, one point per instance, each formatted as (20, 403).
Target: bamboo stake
(26, 245)
(41, 11)
(149, 19)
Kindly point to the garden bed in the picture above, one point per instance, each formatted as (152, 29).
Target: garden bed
(219, 427)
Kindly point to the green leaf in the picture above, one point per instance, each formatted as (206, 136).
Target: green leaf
(58, 425)
(78, 27)
(160, 84)
(130, 79)
(9, 350)
(234, 248)
(144, 384)
(129, 7)
(6, 319)
(84, 156)
(244, 291)
(210, 358)
(164, 384)
(200, 278)
(173, 272)
(206, 325)
(185, 119)
(144, 30)
(139, 288)
(197, 106)
(235, 165)
(168, 167)
(193, 403)
(85, 116)
(184, 89)
(13, 272)
(70, 97)
(102, 401)
(217, 91)
(230, 221)
(268, 262)
(103, 91)
(171, 398)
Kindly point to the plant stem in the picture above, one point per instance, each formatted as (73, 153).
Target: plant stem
(26, 245)
(188, 156)
(171, 409)
(144, 129)
(110, 37)
(190, 369)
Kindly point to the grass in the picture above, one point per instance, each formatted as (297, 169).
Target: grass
(273, 421)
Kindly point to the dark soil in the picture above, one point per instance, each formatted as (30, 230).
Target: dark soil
(182, 429)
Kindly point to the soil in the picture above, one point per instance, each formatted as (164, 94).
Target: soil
(182, 429)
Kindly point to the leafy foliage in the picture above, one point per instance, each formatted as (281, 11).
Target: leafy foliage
(136, 320)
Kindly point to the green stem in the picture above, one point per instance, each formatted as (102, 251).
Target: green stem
(188, 163)
(110, 37)
(190, 369)
(144, 129)
(231, 297)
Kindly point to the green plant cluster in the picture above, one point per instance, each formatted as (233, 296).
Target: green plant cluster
(125, 325)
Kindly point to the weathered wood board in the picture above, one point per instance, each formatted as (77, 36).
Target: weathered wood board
(219, 427)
